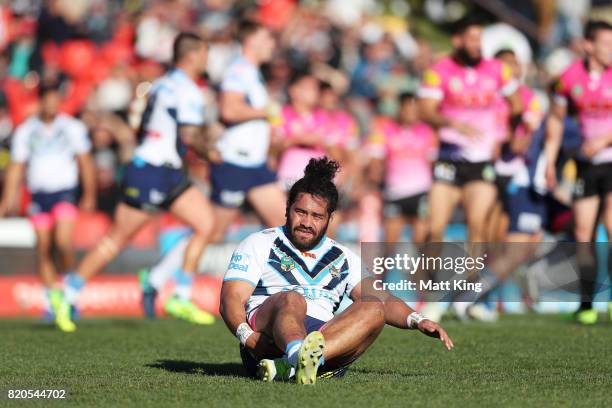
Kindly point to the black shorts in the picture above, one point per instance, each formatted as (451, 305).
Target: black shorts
(501, 182)
(592, 179)
(412, 206)
(459, 173)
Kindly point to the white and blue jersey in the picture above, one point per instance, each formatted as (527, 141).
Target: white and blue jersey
(245, 144)
(174, 100)
(50, 151)
(271, 264)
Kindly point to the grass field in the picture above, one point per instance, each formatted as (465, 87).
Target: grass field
(522, 361)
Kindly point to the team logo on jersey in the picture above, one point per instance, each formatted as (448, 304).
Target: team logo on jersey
(577, 91)
(334, 271)
(287, 263)
(455, 84)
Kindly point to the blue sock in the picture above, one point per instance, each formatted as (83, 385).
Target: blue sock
(291, 351)
(73, 285)
(184, 283)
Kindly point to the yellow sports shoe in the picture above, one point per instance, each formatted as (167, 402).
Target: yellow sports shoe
(63, 318)
(309, 358)
(587, 316)
(186, 310)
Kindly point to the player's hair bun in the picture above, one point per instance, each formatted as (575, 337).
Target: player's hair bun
(324, 170)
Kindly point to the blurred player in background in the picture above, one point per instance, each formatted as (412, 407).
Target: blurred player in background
(302, 129)
(241, 172)
(515, 168)
(586, 87)
(156, 180)
(401, 152)
(510, 158)
(458, 97)
(53, 150)
(342, 134)
(283, 286)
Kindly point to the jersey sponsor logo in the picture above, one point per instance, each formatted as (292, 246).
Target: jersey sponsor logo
(309, 255)
(239, 262)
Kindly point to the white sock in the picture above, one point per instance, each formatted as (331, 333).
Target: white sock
(168, 264)
(184, 283)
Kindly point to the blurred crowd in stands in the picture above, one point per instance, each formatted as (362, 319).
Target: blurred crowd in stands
(106, 54)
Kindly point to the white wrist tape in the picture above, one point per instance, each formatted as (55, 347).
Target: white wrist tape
(243, 332)
(414, 319)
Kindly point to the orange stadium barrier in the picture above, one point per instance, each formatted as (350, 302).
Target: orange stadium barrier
(110, 295)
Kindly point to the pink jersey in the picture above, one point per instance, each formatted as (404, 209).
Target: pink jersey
(293, 161)
(340, 129)
(532, 113)
(591, 94)
(468, 95)
(407, 154)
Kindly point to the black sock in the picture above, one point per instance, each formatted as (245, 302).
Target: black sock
(587, 270)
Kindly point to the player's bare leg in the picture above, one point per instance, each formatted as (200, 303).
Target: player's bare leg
(497, 224)
(224, 217)
(607, 219)
(393, 227)
(478, 199)
(63, 242)
(443, 198)
(269, 202)
(127, 222)
(46, 269)
(194, 209)
(419, 229)
(348, 335)
(281, 317)
(585, 218)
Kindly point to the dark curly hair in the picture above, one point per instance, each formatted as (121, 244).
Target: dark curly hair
(318, 181)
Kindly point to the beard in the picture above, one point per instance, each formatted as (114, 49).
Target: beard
(304, 246)
(462, 56)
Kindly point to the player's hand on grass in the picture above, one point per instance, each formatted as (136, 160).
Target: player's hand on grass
(433, 329)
